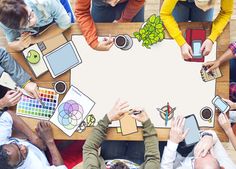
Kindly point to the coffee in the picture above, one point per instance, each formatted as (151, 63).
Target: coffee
(120, 41)
(60, 87)
(206, 113)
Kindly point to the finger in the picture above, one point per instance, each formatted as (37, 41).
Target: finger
(186, 133)
(182, 123)
(212, 152)
(134, 116)
(176, 120)
(121, 103)
(10, 92)
(36, 93)
(109, 46)
(117, 101)
(202, 48)
(191, 52)
(211, 68)
(204, 152)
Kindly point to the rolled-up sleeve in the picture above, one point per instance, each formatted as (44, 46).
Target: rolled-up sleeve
(59, 13)
(6, 123)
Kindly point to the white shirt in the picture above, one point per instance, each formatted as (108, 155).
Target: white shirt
(35, 159)
(171, 159)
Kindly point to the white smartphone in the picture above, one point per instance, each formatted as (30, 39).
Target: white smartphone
(220, 104)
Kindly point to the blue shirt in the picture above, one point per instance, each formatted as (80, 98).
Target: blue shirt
(46, 12)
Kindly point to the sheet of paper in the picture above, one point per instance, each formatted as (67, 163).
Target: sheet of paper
(72, 110)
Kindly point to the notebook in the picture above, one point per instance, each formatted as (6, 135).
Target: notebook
(34, 58)
(214, 74)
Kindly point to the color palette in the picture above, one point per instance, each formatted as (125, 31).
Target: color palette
(31, 107)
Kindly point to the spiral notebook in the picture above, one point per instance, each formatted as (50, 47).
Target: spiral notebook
(214, 74)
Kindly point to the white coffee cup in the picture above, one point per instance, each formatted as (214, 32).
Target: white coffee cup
(60, 87)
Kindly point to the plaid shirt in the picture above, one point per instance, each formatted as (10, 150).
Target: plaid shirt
(232, 47)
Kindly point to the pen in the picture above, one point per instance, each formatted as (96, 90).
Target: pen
(134, 112)
(41, 102)
(23, 91)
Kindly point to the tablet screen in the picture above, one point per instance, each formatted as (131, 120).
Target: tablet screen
(62, 59)
(193, 135)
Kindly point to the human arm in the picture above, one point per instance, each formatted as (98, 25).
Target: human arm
(152, 155)
(215, 64)
(177, 134)
(44, 131)
(93, 142)
(173, 29)
(22, 127)
(88, 28)
(131, 10)
(225, 124)
(222, 19)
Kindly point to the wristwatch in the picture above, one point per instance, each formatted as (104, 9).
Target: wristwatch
(206, 134)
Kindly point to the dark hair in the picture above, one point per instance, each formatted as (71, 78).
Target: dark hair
(119, 165)
(13, 13)
(4, 159)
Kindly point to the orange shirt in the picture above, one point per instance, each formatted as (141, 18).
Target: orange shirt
(86, 23)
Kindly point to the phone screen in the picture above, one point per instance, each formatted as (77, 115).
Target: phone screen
(197, 49)
(221, 105)
(193, 135)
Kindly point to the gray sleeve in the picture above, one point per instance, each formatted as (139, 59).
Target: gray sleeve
(10, 66)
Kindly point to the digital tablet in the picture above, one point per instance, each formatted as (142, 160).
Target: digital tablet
(62, 59)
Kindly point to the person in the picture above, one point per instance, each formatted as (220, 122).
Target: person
(92, 158)
(226, 125)
(27, 18)
(106, 11)
(18, 152)
(173, 11)
(22, 79)
(208, 153)
(227, 55)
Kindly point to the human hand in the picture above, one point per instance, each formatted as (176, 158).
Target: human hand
(204, 146)
(105, 45)
(44, 131)
(141, 117)
(11, 98)
(32, 89)
(212, 65)
(25, 40)
(186, 51)
(118, 110)
(35, 140)
(177, 133)
(224, 122)
(230, 103)
(206, 47)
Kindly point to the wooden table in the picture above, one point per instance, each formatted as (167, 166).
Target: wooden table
(222, 86)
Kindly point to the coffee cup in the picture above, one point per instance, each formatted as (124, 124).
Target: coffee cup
(60, 87)
(123, 42)
(206, 114)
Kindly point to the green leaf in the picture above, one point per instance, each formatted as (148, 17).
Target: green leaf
(161, 36)
(159, 26)
(142, 31)
(152, 18)
(157, 20)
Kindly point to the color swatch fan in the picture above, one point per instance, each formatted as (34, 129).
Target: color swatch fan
(31, 107)
(72, 110)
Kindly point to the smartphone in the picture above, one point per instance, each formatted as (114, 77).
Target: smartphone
(220, 104)
(193, 135)
(196, 46)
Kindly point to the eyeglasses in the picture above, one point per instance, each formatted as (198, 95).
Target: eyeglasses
(21, 158)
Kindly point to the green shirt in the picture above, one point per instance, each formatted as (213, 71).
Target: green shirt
(93, 160)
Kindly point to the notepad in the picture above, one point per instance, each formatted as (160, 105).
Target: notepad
(128, 125)
(34, 58)
(214, 74)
